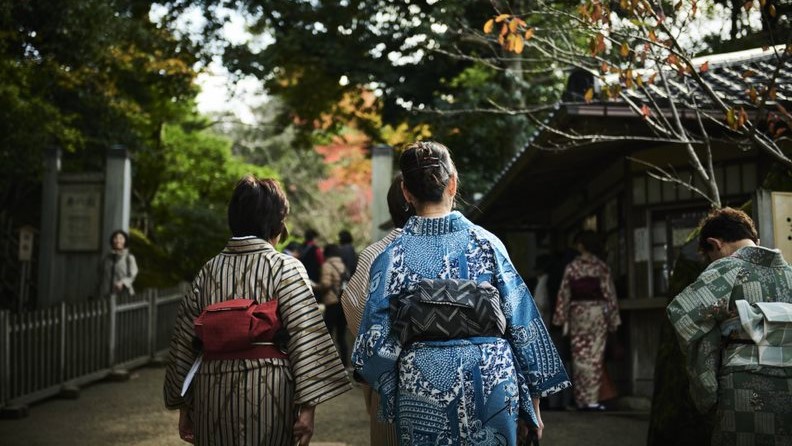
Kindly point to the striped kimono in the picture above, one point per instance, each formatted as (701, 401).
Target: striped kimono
(242, 401)
(462, 391)
(353, 300)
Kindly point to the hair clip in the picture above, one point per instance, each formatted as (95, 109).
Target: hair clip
(424, 166)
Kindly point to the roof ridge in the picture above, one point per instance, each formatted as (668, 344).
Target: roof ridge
(735, 57)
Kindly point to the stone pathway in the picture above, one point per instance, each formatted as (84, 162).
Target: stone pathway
(131, 414)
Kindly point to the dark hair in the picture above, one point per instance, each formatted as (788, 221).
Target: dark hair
(727, 224)
(292, 246)
(332, 250)
(310, 234)
(124, 234)
(344, 237)
(590, 241)
(258, 207)
(400, 211)
(426, 168)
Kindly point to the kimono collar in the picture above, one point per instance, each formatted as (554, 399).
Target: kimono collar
(761, 256)
(245, 245)
(452, 222)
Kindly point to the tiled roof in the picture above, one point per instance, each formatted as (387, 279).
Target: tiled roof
(731, 75)
(726, 74)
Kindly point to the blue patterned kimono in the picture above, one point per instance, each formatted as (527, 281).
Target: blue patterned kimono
(463, 391)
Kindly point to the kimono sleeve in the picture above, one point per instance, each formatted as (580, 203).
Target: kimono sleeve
(354, 296)
(611, 302)
(376, 352)
(695, 314)
(182, 350)
(318, 371)
(537, 359)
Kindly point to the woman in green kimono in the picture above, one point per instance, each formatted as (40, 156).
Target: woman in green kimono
(735, 360)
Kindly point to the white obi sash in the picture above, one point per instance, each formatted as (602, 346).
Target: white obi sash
(769, 326)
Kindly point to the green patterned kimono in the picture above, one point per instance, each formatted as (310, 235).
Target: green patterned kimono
(753, 398)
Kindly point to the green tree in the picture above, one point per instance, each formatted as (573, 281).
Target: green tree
(326, 178)
(189, 179)
(82, 75)
(415, 56)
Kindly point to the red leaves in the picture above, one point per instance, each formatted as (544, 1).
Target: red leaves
(597, 44)
(731, 119)
(624, 50)
(736, 119)
(589, 95)
(489, 25)
(753, 95)
(510, 37)
(646, 112)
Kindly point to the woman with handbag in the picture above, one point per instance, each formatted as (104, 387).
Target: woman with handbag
(255, 390)
(483, 379)
(333, 280)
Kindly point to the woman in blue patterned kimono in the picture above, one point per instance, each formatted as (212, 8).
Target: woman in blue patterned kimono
(469, 391)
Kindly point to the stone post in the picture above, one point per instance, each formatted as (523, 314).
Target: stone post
(381, 177)
(117, 192)
(49, 227)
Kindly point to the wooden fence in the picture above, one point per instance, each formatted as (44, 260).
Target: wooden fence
(42, 352)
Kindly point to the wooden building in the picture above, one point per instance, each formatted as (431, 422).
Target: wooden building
(543, 197)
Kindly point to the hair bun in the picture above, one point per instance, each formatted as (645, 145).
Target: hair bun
(427, 169)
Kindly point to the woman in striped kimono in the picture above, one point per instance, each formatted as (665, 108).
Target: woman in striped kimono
(355, 296)
(266, 400)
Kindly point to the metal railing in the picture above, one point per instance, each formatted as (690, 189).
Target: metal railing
(44, 351)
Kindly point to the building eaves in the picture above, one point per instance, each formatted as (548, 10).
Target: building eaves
(727, 73)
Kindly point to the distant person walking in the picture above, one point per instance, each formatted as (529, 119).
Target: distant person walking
(334, 279)
(734, 324)
(347, 251)
(252, 390)
(118, 268)
(587, 309)
(311, 256)
(355, 296)
(293, 249)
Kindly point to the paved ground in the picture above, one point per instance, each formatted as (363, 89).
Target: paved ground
(131, 413)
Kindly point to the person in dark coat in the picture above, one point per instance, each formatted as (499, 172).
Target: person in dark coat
(348, 254)
(311, 256)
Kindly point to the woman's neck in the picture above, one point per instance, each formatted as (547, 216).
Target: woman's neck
(431, 210)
